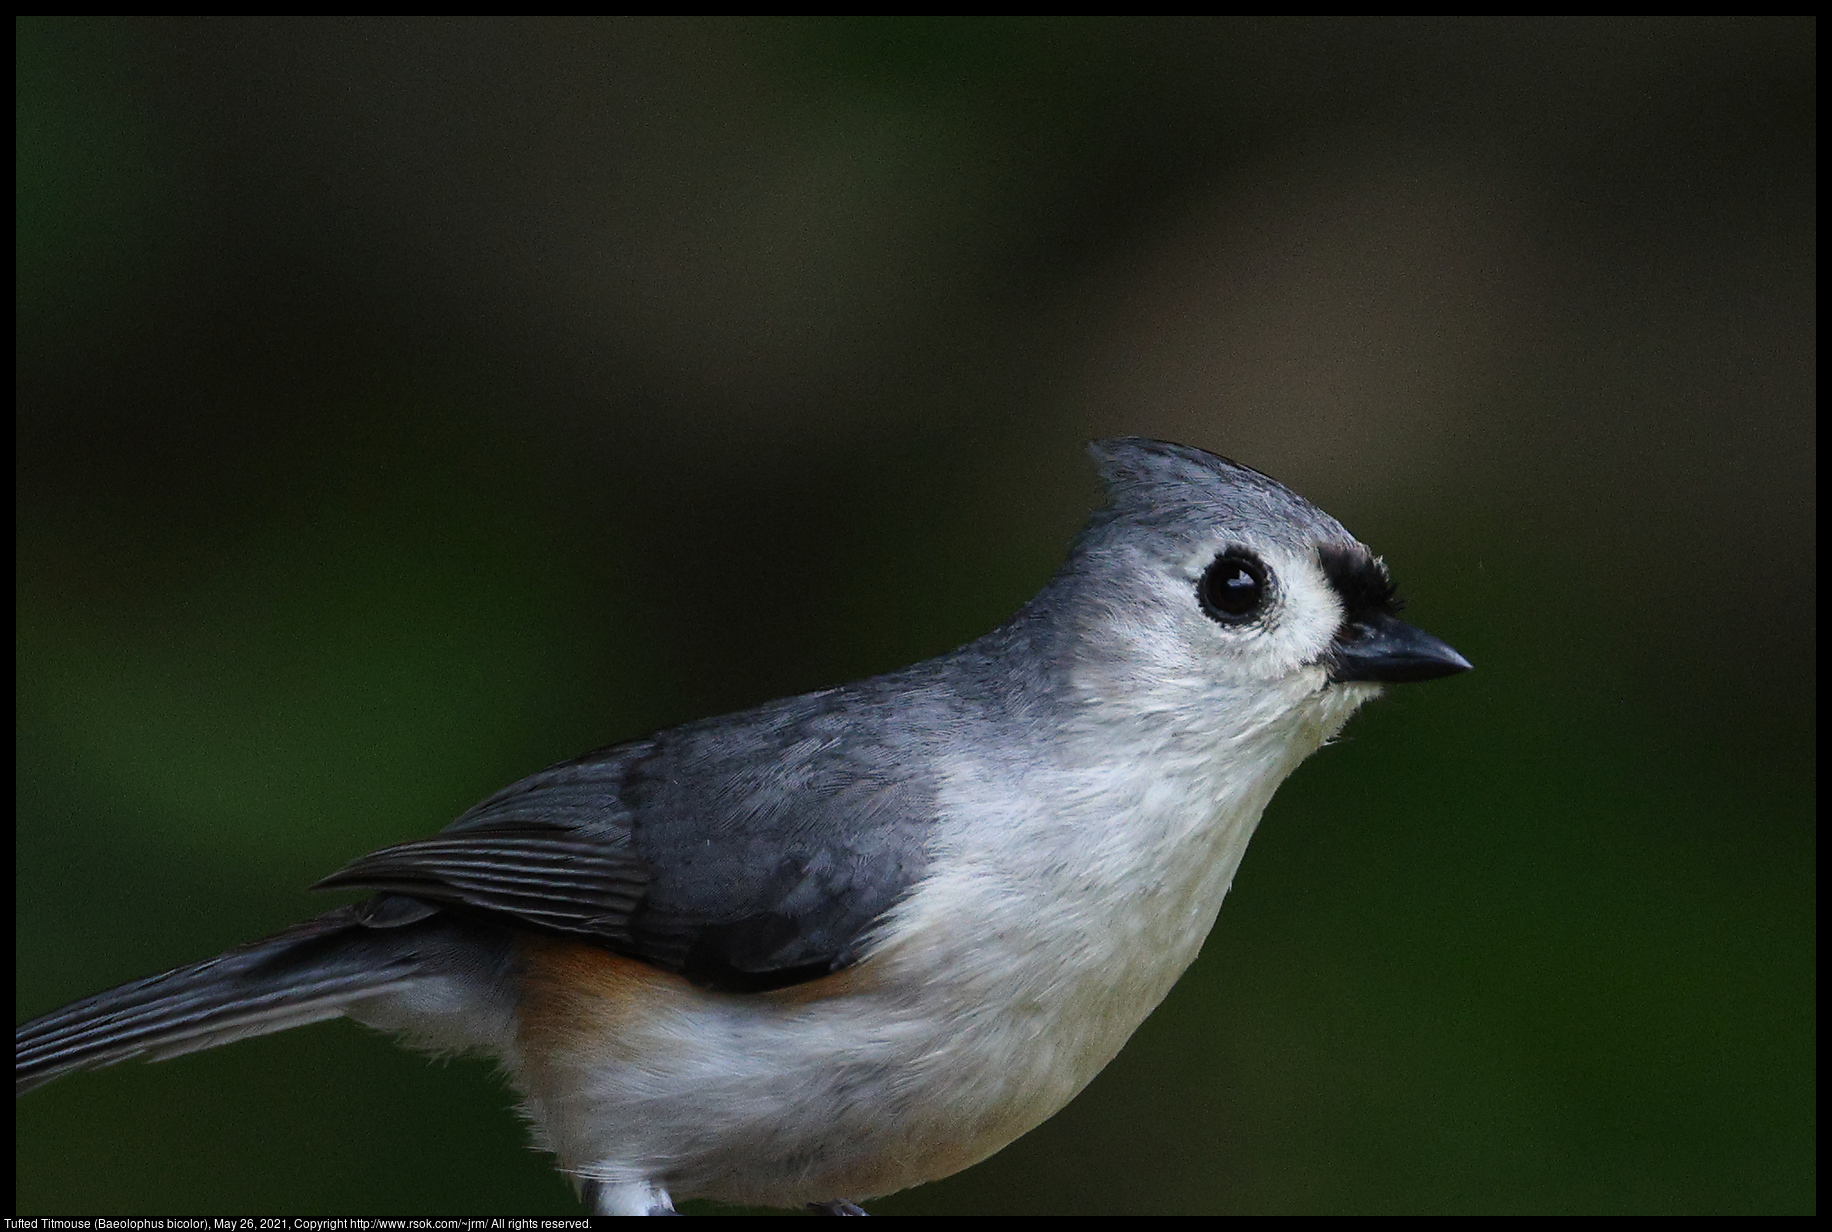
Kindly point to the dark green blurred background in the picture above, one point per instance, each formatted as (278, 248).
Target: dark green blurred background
(404, 406)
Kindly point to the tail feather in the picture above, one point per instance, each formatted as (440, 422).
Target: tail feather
(309, 973)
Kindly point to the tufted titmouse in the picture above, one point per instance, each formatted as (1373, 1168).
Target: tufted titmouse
(849, 942)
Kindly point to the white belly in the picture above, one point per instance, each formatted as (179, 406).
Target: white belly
(1006, 981)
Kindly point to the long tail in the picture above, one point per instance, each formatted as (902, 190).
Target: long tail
(310, 972)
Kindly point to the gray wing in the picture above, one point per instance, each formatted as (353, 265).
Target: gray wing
(748, 852)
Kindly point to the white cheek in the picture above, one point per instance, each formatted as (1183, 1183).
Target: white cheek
(1310, 613)
(1161, 651)
(1298, 631)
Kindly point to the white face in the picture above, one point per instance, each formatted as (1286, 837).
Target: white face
(1228, 631)
(1258, 611)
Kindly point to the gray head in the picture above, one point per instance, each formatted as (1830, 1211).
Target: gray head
(1204, 575)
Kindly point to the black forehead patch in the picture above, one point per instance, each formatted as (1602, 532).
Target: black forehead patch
(1360, 581)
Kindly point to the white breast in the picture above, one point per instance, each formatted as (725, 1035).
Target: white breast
(1065, 900)
(1071, 896)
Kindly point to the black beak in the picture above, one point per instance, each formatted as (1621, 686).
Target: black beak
(1387, 650)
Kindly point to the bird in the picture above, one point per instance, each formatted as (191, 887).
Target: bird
(844, 943)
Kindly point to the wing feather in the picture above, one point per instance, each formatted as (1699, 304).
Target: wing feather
(544, 876)
(753, 851)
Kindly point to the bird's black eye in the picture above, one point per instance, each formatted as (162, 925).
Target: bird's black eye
(1233, 589)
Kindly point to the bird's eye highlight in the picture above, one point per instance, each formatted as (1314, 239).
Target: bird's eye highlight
(1233, 589)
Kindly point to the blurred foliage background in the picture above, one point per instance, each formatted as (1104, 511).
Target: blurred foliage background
(406, 405)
